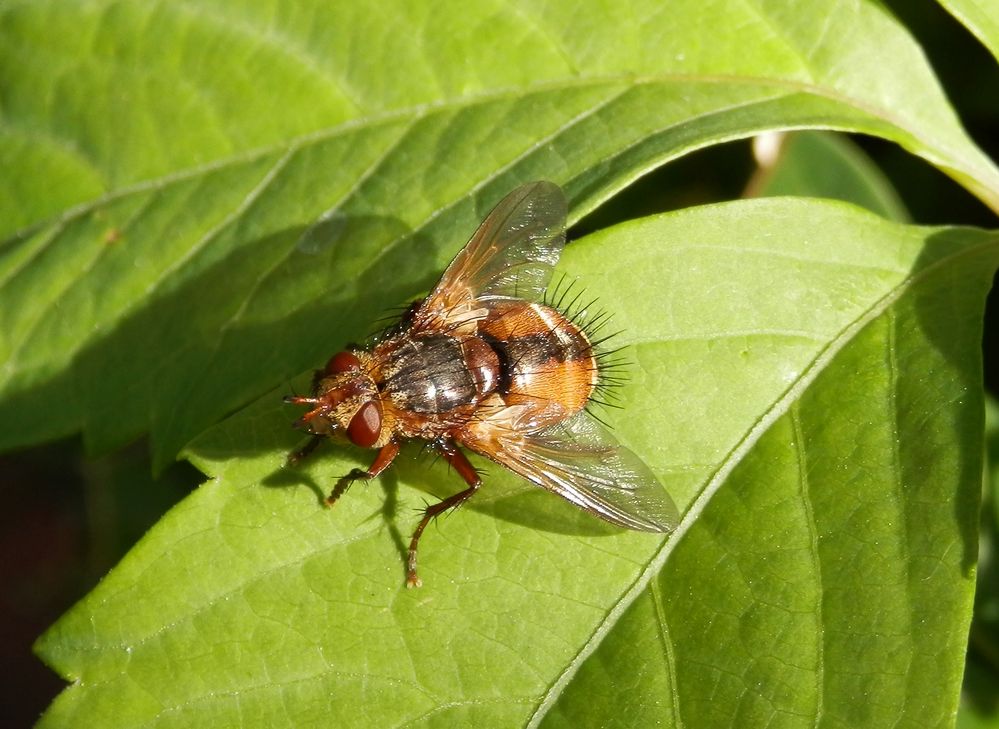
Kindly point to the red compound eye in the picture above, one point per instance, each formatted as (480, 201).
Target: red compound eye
(342, 362)
(366, 425)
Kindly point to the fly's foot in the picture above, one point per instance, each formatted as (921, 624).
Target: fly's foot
(344, 483)
(412, 579)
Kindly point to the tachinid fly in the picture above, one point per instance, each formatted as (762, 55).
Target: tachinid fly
(486, 364)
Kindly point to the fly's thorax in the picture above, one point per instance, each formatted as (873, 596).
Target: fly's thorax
(436, 374)
(547, 362)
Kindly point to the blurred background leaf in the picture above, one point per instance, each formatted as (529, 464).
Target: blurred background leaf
(821, 164)
(981, 18)
(980, 698)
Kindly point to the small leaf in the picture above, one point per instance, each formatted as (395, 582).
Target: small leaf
(821, 164)
(981, 18)
(979, 706)
(807, 384)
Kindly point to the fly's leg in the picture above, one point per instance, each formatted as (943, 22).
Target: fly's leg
(385, 456)
(467, 471)
(296, 457)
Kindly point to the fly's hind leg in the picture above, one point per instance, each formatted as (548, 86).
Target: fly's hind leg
(467, 471)
(385, 456)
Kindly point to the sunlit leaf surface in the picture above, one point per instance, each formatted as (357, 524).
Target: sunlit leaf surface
(200, 199)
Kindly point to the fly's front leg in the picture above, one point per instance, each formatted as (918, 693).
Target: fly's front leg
(467, 471)
(296, 457)
(385, 456)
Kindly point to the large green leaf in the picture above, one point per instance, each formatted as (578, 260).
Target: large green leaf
(166, 165)
(829, 165)
(806, 382)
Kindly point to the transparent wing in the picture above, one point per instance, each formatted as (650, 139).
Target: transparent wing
(511, 254)
(581, 461)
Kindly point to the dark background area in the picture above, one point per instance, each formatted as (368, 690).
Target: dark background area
(68, 519)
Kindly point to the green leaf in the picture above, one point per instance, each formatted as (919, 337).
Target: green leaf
(822, 164)
(992, 457)
(806, 382)
(981, 17)
(202, 199)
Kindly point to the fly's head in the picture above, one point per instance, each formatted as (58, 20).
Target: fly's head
(345, 398)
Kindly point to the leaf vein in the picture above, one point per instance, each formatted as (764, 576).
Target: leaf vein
(801, 457)
(467, 101)
(669, 657)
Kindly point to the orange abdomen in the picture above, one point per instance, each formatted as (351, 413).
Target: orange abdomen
(546, 361)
